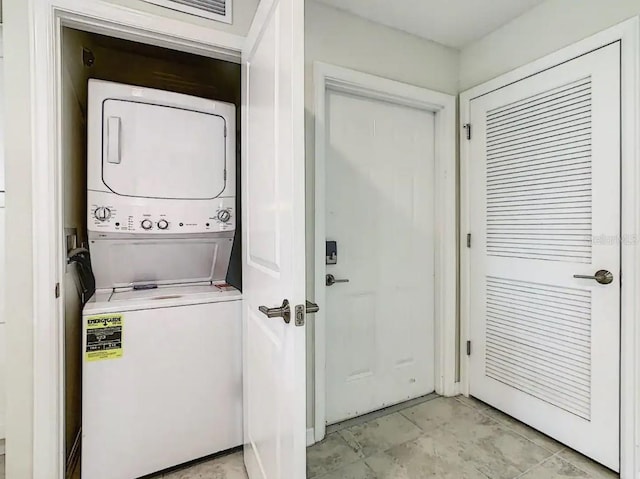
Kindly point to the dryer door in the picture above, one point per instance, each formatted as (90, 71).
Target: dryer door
(156, 151)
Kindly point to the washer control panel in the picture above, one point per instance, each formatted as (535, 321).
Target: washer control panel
(112, 213)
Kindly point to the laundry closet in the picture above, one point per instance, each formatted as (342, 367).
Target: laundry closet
(153, 296)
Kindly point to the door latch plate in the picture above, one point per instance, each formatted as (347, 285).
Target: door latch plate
(300, 312)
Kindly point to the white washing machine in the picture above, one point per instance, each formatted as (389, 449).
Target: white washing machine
(161, 186)
(162, 379)
(162, 371)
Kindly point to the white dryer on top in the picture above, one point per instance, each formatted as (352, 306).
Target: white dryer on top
(161, 186)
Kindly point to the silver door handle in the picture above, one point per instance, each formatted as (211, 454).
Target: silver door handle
(312, 307)
(283, 311)
(602, 276)
(330, 280)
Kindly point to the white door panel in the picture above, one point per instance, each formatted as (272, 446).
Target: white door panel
(3, 336)
(274, 241)
(379, 210)
(545, 205)
(2, 120)
(3, 376)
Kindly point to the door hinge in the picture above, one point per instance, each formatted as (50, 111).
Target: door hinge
(300, 312)
(468, 348)
(468, 240)
(467, 126)
(57, 290)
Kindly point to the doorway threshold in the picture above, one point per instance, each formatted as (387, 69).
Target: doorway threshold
(359, 420)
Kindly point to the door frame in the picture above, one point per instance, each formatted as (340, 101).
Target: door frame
(333, 78)
(47, 19)
(628, 33)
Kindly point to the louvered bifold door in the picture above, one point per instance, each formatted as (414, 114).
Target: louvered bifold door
(544, 190)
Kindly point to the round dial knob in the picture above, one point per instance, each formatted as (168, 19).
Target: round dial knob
(146, 224)
(102, 213)
(224, 215)
(163, 224)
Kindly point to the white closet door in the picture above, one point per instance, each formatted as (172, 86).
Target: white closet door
(545, 206)
(2, 185)
(273, 263)
(3, 334)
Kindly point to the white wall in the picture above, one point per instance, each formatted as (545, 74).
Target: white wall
(19, 263)
(549, 27)
(339, 38)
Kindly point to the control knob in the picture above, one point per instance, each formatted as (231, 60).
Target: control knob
(163, 224)
(146, 224)
(224, 215)
(102, 213)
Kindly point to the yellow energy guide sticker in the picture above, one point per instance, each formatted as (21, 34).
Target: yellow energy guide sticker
(104, 337)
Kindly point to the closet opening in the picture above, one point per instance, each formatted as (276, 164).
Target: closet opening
(150, 143)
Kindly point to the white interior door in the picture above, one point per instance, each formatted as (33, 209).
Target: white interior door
(380, 212)
(545, 206)
(3, 334)
(273, 183)
(2, 120)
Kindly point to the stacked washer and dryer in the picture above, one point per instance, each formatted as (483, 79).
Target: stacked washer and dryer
(162, 366)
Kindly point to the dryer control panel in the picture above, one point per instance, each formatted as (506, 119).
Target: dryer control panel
(110, 213)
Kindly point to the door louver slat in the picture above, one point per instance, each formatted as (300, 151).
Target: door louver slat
(539, 150)
(213, 6)
(215, 9)
(538, 340)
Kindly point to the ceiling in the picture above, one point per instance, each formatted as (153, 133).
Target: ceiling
(454, 23)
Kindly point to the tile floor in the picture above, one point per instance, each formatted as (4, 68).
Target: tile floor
(444, 438)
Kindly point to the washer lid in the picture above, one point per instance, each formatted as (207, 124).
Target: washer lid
(164, 297)
(156, 151)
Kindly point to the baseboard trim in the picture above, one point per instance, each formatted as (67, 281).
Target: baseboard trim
(74, 455)
(456, 390)
(311, 437)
